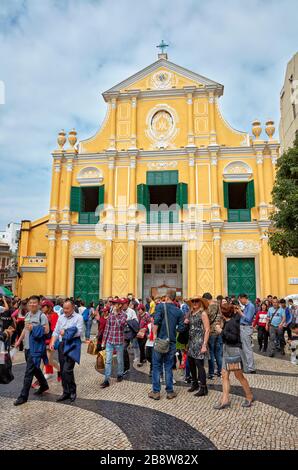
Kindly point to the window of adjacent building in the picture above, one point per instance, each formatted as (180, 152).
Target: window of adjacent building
(239, 198)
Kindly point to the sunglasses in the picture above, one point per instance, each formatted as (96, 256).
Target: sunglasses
(195, 301)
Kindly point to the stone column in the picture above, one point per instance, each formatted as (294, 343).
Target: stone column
(111, 189)
(113, 104)
(132, 169)
(133, 134)
(211, 109)
(263, 206)
(51, 263)
(108, 265)
(67, 189)
(55, 188)
(189, 102)
(132, 259)
(265, 264)
(64, 262)
(217, 260)
(282, 281)
(274, 148)
(192, 263)
(215, 207)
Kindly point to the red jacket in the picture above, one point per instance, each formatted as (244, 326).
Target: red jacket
(260, 319)
(52, 319)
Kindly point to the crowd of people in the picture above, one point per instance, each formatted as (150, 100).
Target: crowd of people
(204, 337)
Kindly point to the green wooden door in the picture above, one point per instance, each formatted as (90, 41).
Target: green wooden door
(242, 277)
(86, 280)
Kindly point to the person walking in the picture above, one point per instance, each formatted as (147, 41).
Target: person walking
(246, 331)
(261, 322)
(68, 329)
(113, 339)
(33, 335)
(167, 320)
(47, 308)
(231, 336)
(130, 333)
(102, 318)
(275, 322)
(88, 315)
(288, 320)
(215, 340)
(199, 329)
(144, 320)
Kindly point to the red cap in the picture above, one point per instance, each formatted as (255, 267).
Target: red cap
(119, 301)
(106, 309)
(47, 303)
(141, 307)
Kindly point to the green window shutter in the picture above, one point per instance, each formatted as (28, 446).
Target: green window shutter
(143, 195)
(226, 194)
(101, 194)
(158, 178)
(181, 194)
(75, 199)
(250, 195)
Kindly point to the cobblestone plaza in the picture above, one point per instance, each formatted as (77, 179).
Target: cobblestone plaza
(121, 417)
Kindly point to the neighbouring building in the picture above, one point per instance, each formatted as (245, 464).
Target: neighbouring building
(288, 126)
(6, 259)
(11, 235)
(203, 190)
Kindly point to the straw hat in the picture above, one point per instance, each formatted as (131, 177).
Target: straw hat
(204, 302)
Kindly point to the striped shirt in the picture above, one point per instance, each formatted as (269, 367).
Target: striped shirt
(114, 330)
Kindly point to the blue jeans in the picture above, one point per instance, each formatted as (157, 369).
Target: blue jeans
(88, 326)
(215, 351)
(158, 362)
(109, 358)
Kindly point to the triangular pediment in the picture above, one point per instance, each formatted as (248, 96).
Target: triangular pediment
(180, 76)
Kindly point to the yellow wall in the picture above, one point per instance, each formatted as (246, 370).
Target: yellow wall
(114, 151)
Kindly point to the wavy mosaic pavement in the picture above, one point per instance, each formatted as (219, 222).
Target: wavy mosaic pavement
(122, 417)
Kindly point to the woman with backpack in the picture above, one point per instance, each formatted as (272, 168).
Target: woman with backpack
(88, 315)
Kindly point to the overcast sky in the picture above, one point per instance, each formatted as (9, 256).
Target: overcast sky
(58, 56)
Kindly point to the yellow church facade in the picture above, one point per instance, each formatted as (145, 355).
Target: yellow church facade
(165, 194)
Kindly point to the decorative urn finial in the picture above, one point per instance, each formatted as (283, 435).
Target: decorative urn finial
(270, 129)
(61, 139)
(256, 128)
(72, 137)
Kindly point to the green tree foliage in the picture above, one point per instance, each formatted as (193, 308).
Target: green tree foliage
(283, 236)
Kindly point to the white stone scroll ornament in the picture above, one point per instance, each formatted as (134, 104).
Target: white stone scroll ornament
(87, 247)
(240, 246)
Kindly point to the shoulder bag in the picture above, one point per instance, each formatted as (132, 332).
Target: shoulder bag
(162, 346)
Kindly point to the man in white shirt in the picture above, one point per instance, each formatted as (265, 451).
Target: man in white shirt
(68, 320)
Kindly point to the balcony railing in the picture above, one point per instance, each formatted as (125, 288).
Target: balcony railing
(88, 218)
(239, 215)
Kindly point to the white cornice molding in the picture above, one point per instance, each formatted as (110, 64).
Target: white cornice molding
(224, 152)
(210, 84)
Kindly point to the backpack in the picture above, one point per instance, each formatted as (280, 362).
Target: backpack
(86, 314)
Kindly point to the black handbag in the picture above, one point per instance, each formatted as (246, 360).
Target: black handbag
(6, 375)
(183, 336)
